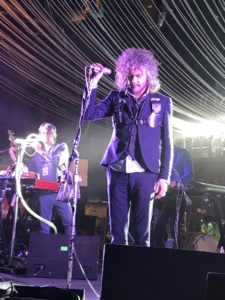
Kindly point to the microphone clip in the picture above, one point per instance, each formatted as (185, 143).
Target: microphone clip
(120, 109)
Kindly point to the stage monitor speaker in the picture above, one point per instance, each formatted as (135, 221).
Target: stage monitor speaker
(46, 292)
(132, 272)
(48, 256)
(215, 286)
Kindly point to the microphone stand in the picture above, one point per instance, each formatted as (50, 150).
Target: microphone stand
(74, 156)
(15, 202)
(76, 178)
(179, 197)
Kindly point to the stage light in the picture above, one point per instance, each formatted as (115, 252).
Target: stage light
(195, 129)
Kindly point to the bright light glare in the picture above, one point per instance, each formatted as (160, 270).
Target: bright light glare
(205, 128)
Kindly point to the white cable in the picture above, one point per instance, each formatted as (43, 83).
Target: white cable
(28, 142)
(85, 276)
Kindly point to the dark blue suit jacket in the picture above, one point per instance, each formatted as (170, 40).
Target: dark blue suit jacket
(153, 123)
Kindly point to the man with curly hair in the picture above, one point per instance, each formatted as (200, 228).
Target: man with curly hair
(139, 155)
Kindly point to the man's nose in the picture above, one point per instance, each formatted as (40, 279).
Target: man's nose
(134, 79)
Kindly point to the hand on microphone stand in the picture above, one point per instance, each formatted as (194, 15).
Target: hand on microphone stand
(93, 73)
(96, 72)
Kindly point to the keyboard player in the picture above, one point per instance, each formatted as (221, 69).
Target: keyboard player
(49, 161)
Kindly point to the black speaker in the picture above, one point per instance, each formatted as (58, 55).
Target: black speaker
(48, 256)
(215, 286)
(132, 272)
(47, 292)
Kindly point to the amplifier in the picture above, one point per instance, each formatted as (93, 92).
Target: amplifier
(48, 256)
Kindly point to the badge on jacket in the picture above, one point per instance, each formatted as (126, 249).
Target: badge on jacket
(44, 170)
(155, 105)
(154, 118)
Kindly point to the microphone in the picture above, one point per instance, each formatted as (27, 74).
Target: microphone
(106, 71)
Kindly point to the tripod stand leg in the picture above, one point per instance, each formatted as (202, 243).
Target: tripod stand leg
(14, 202)
(179, 198)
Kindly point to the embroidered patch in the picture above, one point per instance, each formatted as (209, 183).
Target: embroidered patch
(155, 104)
(154, 120)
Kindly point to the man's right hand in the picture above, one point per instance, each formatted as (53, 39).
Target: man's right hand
(96, 72)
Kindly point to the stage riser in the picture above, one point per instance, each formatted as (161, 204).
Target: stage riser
(133, 273)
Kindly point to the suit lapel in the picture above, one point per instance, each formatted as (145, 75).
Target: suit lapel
(146, 109)
(130, 104)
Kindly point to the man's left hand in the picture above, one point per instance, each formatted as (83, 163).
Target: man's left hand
(161, 187)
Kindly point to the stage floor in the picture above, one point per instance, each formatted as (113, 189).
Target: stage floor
(91, 293)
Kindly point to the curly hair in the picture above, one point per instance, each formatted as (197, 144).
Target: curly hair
(132, 58)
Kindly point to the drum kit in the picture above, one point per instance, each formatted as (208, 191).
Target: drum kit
(203, 242)
(205, 229)
(204, 232)
(200, 225)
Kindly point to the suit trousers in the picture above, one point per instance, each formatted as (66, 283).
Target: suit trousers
(47, 203)
(130, 193)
